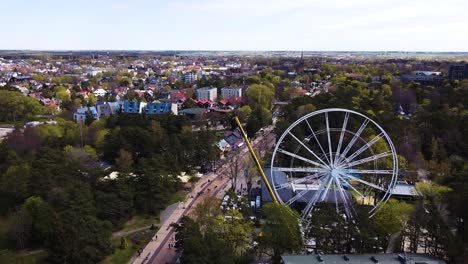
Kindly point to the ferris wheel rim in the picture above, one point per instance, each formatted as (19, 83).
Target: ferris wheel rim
(383, 135)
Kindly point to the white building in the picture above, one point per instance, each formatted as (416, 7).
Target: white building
(207, 93)
(231, 92)
(189, 77)
(93, 71)
(100, 92)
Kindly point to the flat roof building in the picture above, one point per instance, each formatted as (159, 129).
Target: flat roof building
(231, 92)
(207, 93)
(458, 72)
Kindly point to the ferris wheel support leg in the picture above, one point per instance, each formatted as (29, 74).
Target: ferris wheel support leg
(259, 166)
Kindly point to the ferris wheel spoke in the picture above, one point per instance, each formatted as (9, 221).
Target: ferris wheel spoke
(353, 140)
(344, 196)
(311, 204)
(296, 197)
(363, 148)
(300, 158)
(299, 169)
(318, 141)
(369, 171)
(334, 194)
(343, 130)
(311, 152)
(325, 192)
(368, 159)
(375, 186)
(352, 187)
(328, 136)
(299, 180)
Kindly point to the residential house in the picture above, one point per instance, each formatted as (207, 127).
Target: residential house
(100, 92)
(161, 108)
(133, 107)
(234, 138)
(107, 109)
(80, 114)
(223, 145)
(178, 97)
(194, 114)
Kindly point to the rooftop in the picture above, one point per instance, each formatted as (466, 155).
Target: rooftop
(361, 259)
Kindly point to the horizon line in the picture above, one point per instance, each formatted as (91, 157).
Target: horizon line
(240, 50)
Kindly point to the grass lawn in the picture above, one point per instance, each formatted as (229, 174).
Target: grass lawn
(146, 220)
(122, 256)
(139, 221)
(176, 197)
(7, 256)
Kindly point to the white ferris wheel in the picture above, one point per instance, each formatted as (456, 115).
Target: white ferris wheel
(336, 156)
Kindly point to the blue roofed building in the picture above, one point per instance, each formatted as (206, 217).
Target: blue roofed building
(161, 108)
(107, 108)
(80, 114)
(404, 191)
(131, 107)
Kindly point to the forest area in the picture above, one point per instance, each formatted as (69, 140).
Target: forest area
(56, 195)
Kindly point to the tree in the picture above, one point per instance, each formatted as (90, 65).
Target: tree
(211, 237)
(79, 238)
(235, 230)
(115, 200)
(14, 182)
(198, 247)
(77, 235)
(280, 233)
(63, 96)
(125, 81)
(91, 99)
(124, 161)
(244, 112)
(392, 217)
(236, 168)
(15, 106)
(260, 96)
(305, 109)
(258, 119)
(123, 243)
(41, 215)
(20, 229)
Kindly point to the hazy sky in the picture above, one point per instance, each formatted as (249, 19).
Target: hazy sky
(408, 25)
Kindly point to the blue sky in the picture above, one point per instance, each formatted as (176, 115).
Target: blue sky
(324, 25)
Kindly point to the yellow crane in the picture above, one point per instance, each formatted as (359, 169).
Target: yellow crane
(259, 166)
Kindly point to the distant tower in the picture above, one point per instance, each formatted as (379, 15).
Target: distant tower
(300, 64)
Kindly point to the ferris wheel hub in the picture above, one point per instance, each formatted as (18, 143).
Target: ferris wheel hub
(335, 173)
